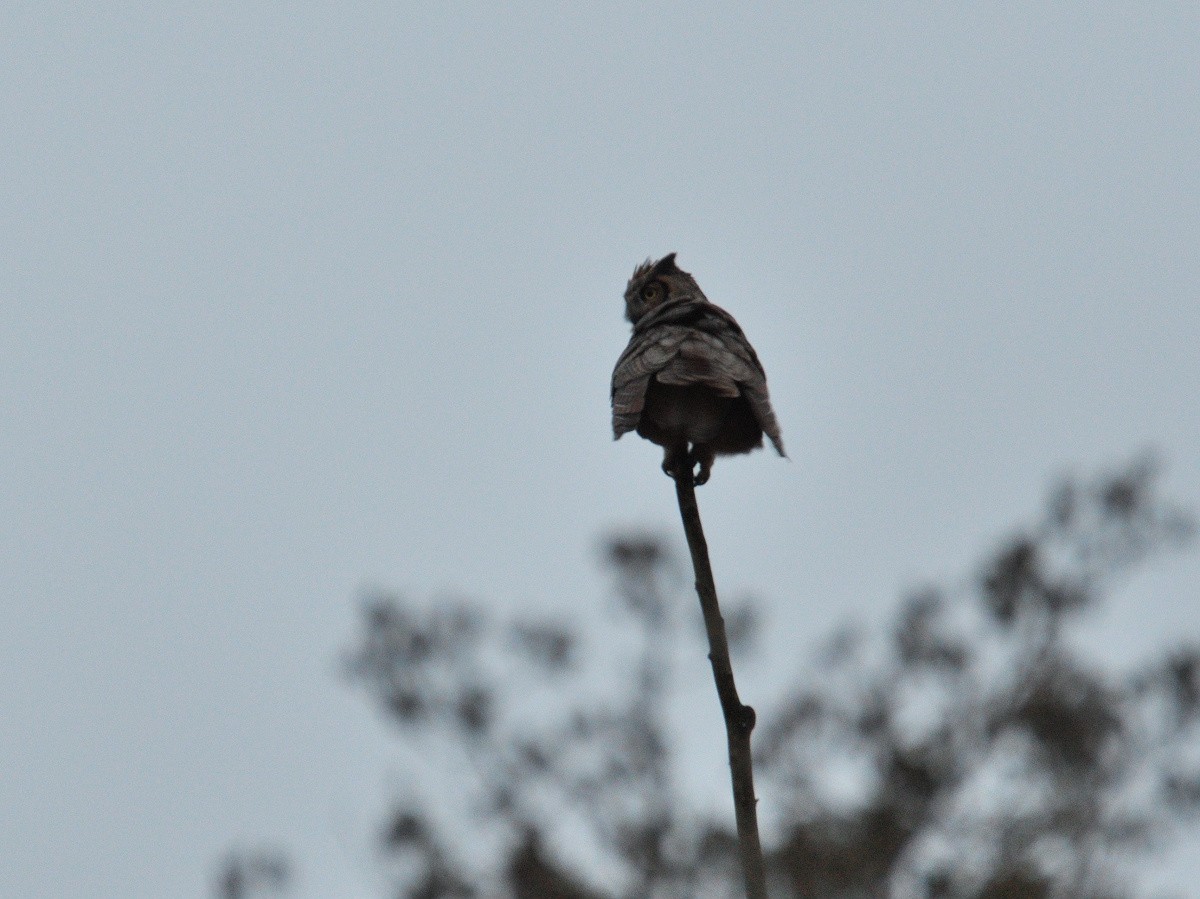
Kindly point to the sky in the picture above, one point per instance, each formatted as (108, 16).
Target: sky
(300, 300)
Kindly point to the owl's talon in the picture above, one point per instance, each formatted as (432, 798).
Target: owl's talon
(704, 457)
(677, 463)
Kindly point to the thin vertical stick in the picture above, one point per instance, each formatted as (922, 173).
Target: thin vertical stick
(739, 719)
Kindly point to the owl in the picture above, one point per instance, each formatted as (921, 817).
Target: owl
(689, 380)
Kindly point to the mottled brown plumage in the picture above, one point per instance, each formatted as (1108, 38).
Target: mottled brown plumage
(688, 380)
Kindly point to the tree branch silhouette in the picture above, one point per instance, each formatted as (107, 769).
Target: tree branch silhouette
(739, 718)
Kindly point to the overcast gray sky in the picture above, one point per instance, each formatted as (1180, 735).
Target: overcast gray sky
(300, 298)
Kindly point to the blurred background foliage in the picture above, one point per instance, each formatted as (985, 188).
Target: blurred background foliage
(970, 747)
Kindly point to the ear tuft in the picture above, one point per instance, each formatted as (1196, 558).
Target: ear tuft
(665, 266)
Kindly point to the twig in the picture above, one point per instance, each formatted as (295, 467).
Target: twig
(739, 719)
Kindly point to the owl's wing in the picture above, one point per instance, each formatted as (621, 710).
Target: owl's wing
(760, 404)
(702, 358)
(648, 352)
(749, 375)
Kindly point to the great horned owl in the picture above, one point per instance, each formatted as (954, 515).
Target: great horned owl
(688, 380)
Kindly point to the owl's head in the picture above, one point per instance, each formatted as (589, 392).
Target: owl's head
(655, 283)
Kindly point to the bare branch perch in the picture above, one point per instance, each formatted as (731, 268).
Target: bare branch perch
(739, 718)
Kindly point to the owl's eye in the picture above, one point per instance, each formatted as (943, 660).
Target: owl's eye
(652, 292)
